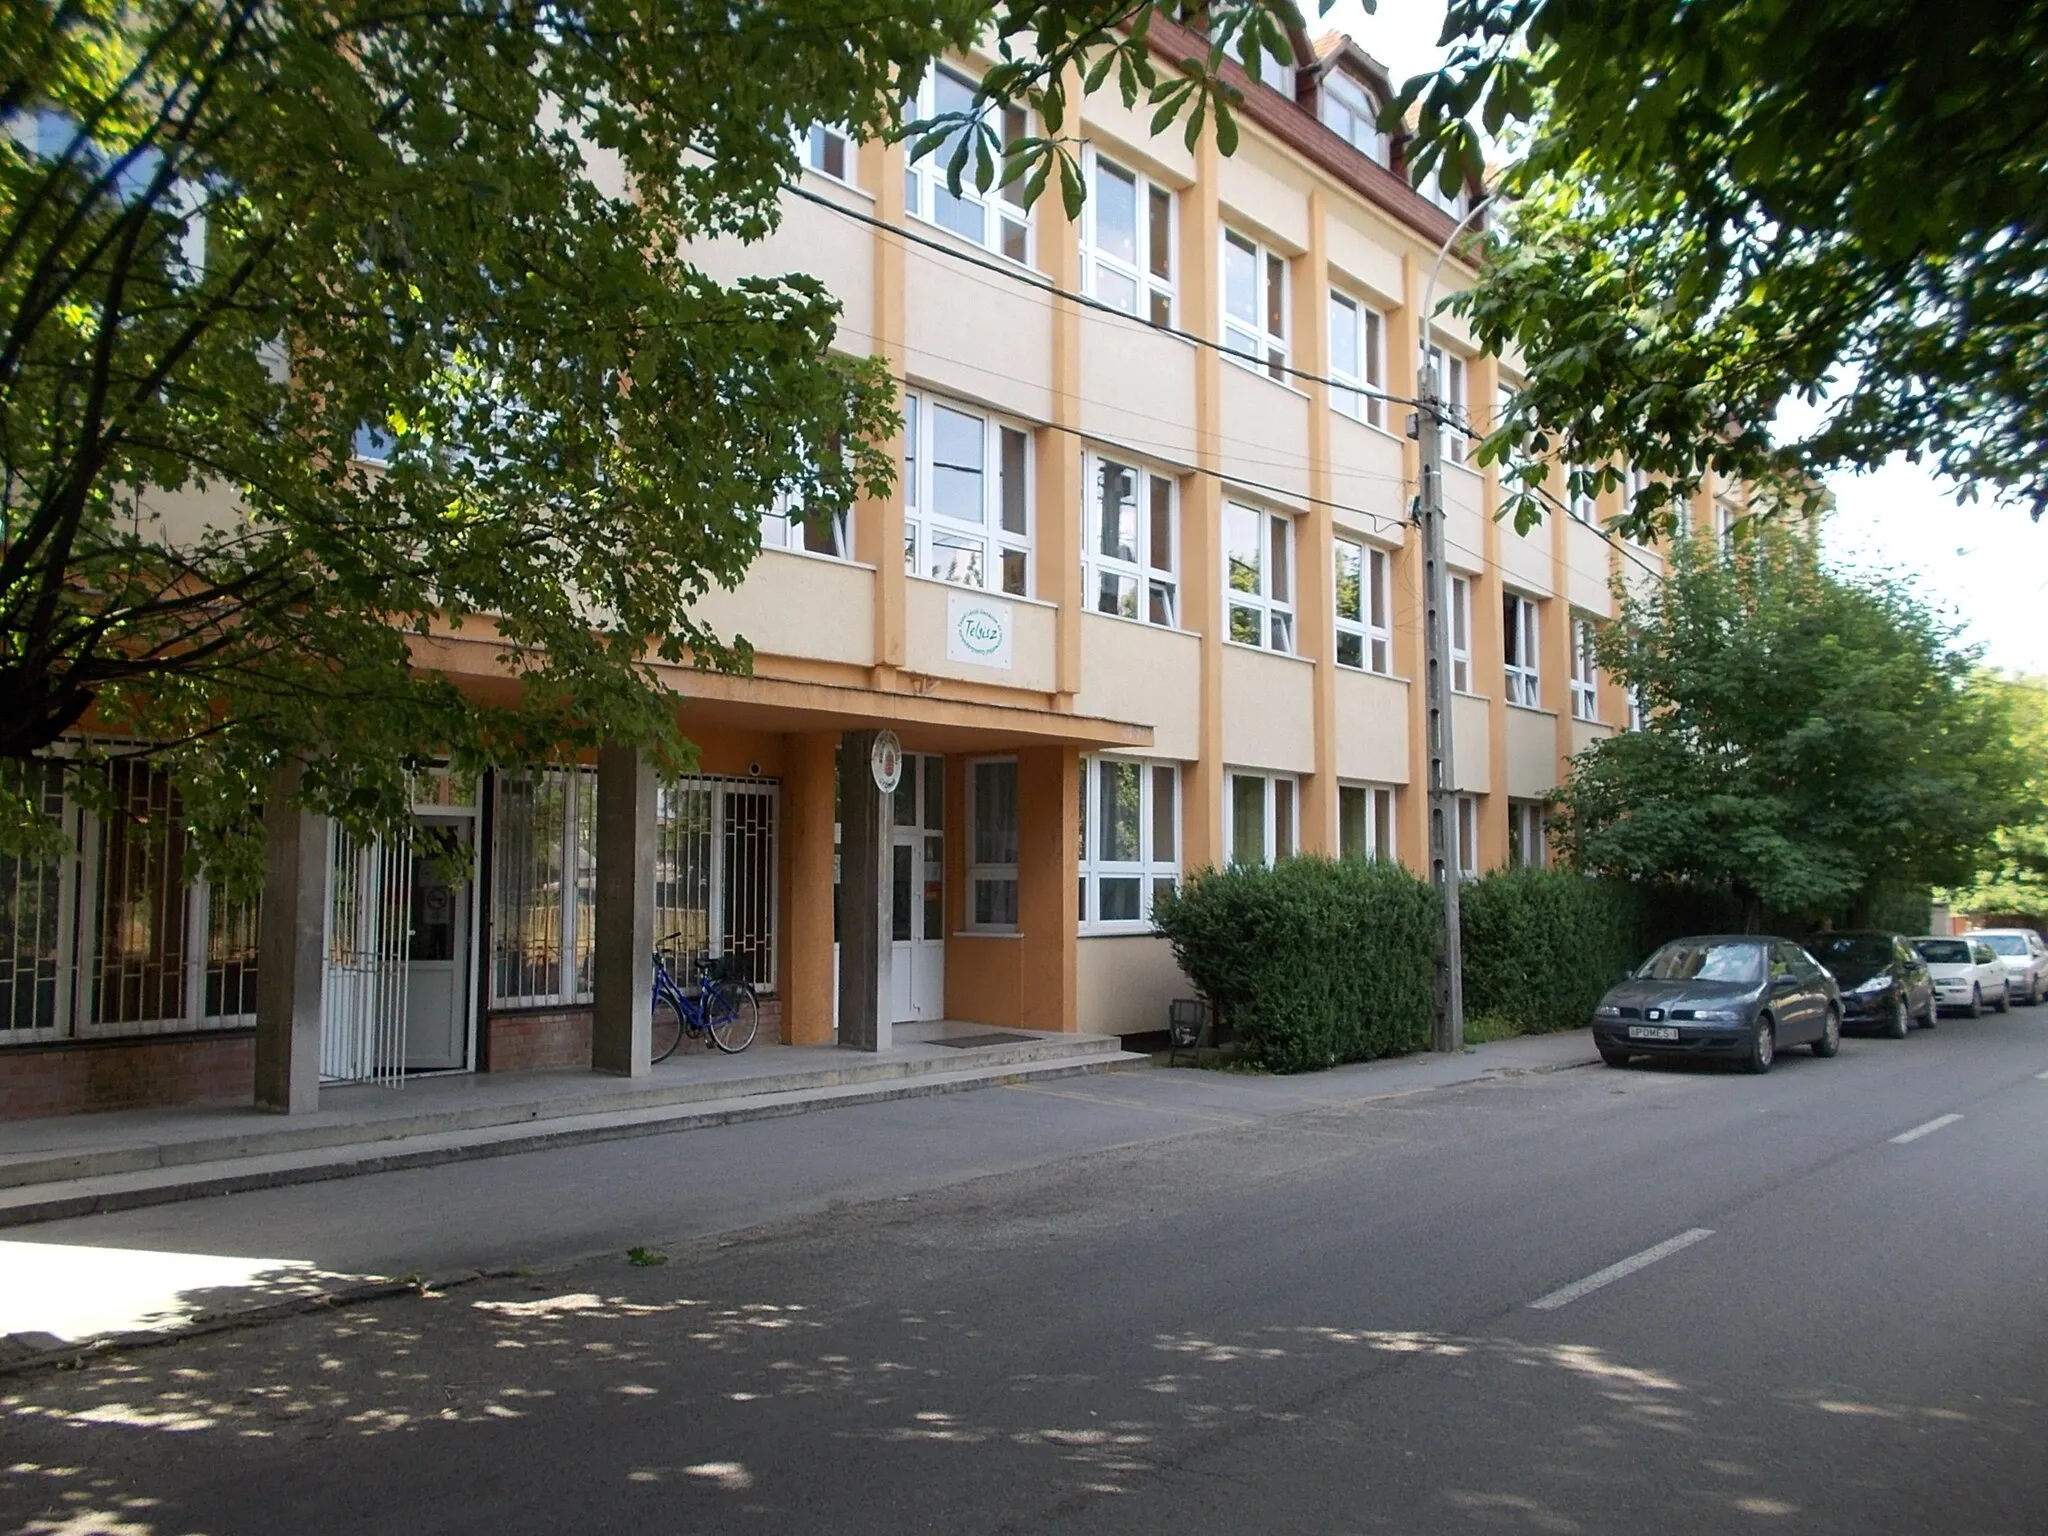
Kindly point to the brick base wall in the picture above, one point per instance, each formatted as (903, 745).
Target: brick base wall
(81, 1078)
(532, 1041)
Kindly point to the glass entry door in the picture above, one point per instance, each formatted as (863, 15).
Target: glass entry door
(917, 891)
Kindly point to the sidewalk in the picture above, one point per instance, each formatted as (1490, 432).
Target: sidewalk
(148, 1273)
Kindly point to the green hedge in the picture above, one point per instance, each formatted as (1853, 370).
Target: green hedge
(1541, 945)
(1312, 962)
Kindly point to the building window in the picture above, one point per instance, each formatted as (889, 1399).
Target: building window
(1637, 715)
(1725, 518)
(1365, 622)
(1520, 621)
(1272, 72)
(1130, 840)
(714, 873)
(1258, 818)
(1127, 241)
(1255, 302)
(1461, 634)
(1128, 562)
(967, 497)
(1455, 204)
(994, 217)
(784, 526)
(828, 150)
(543, 887)
(1350, 112)
(1467, 814)
(1365, 822)
(1358, 345)
(1258, 562)
(1525, 834)
(1581, 502)
(1453, 388)
(1585, 673)
(992, 845)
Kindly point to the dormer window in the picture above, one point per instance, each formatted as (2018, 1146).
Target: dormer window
(1352, 115)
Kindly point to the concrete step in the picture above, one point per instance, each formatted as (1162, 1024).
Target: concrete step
(553, 1097)
(236, 1171)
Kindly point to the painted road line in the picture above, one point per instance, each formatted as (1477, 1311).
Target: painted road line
(1614, 1272)
(1925, 1130)
(2042, 1075)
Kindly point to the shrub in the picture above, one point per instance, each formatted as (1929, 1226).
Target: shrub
(1312, 962)
(1542, 945)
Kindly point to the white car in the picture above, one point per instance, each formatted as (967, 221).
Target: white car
(2025, 958)
(1967, 974)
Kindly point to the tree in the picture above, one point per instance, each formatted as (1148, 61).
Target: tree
(2016, 880)
(326, 329)
(1714, 209)
(1810, 743)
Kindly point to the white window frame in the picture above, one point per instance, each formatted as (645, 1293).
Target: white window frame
(1132, 283)
(784, 526)
(1465, 830)
(1373, 625)
(1279, 814)
(1273, 74)
(1273, 610)
(1252, 340)
(1583, 505)
(1156, 864)
(1522, 649)
(1585, 672)
(1725, 519)
(924, 525)
(1006, 225)
(1460, 625)
(1454, 381)
(1150, 578)
(1354, 120)
(998, 873)
(1364, 330)
(1637, 715)
(1376, 821)
(1526, 837)
(822, 143)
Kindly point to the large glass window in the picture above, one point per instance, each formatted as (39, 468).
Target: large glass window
(1365, 821)
(993, 842)
(543, 887)
(990, 216)
(1127, 246)
(1365, 609)
(828, 150)
(1525, 834)
(786, 526)
(1129, 560)
(967, 497)
(1520, 628)
(1453, 385)
(1358, 346)
(1130, 841)
(1585, 672)
(1258, 566)
(1258, 818)
(1467, 813)
(1349, 111)
(1255, 302)
(1461, 634)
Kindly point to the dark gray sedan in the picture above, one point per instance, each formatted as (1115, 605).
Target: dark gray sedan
(1731, 995)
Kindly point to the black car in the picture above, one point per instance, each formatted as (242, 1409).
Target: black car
(1885, 984)
(1738, 996)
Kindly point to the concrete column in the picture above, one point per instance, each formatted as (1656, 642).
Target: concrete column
(1201, 508)
(865, 837)
(622, 1015)
(291, 952)
(878, 521)
(806, 944)
(1315, 566)
(1403, 381)
(1048, 870)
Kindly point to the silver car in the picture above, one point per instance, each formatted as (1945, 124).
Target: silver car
(2024, 957)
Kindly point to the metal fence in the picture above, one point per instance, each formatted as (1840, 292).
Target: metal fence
(369, 923)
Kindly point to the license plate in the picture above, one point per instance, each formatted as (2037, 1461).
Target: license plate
(1652, 1032)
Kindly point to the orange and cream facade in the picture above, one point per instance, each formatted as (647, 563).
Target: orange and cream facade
(1146, 599)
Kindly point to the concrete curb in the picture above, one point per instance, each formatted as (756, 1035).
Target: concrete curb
(57, 1200)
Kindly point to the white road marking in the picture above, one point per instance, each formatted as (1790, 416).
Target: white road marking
(1614, 1272)
(1922, 1130)
(2042, 1075)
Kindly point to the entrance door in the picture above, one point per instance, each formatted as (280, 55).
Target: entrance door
(438, 980)
(917, 891)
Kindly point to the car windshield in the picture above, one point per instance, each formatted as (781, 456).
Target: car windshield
(2007, 943)
(1694, 960)
(1854, 948)
(1944, 951)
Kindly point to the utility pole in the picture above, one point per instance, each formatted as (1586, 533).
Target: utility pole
(1426, 426)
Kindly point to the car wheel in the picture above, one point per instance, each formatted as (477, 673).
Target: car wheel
(1830, 1040)
(1614, 1058)
(1933, 1012)
(2034, 993)
(1976, 1008)
(2004, 1003)
(1763, 1046)
(1899, 1026)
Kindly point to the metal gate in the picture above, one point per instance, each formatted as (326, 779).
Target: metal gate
(369, 928)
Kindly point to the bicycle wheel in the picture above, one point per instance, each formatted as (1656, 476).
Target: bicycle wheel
(668, 1028)
(732, 1014)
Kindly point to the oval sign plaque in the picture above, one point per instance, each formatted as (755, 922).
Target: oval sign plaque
(885, 757)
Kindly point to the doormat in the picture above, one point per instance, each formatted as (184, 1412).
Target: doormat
(996, 1037)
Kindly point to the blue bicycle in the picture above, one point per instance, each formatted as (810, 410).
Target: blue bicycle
(724, 1007)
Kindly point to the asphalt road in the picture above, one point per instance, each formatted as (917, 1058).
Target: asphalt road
(1587, 1301)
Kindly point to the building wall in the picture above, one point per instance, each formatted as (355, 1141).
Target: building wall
(83, 1078)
